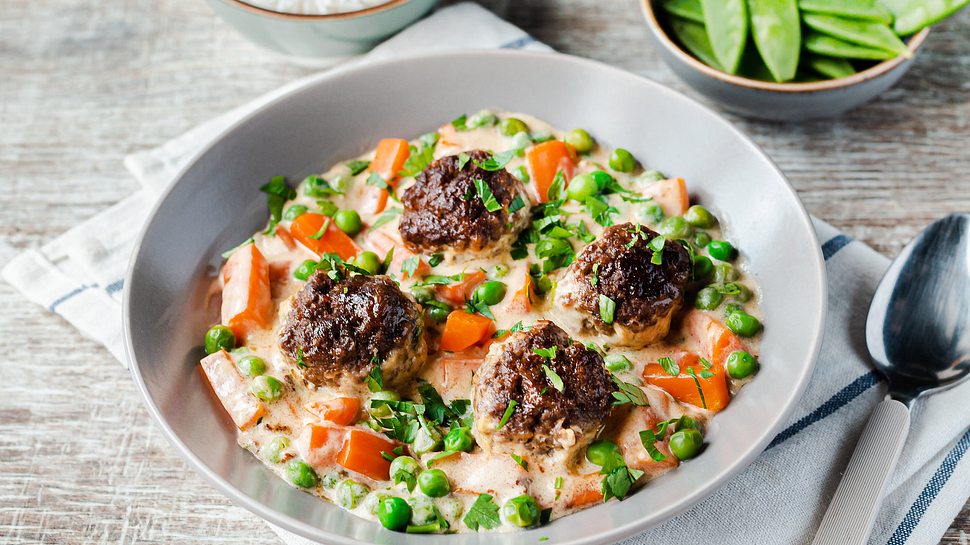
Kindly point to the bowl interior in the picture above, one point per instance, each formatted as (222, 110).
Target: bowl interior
(215, 204)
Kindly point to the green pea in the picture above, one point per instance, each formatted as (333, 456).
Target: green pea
(600, 452)
(436, 311)
(423, 511)
(219, 337)
(511, 126)
(251, 366)
(721, 250)
(739, 292)
(434, 483)
(368, 261)
(616, 363)
(483, 118)
(300, 474)
(273, 450)
(393, 513)
(423, 294)
(501, 270)
(459, 439)
(294, 211)
(675, 227)
(654, 213)
(349, 493)
(405, 469)
(341, 183)
(703, 268)
(521, 174)
(701, 238)
(686, 444)
(580, 140)
(740, 364)
(521, 511)
(724, 273)
(708, 298)
(581, 187)
(491, 292)
(348, 221)
(726, 22)
(776, 29)
(742, 324)
(622, 160)
(305, 270)
(698, 216)
(267, 388)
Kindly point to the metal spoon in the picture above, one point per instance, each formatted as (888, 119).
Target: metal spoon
(918, 334)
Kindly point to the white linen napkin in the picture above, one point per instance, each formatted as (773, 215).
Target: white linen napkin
(780, 498)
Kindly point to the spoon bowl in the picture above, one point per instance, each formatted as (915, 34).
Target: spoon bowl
(918, 329)
(918, 334)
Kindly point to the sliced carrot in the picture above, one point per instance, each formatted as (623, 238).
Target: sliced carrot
(716, 340)
(713, 392)
(388, 160)
(382, 242)
(231, 389)
(285, 237)
(458, 292)
(246, 297)
(463, 330)
(306, 229)
(319, 444)
(585, 490)
(339, 410)
(361, 453)
(671, 195)
(523, 297)
(545, 160)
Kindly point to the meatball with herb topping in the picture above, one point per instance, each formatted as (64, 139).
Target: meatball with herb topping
(338, 329)
(458, 207)
(539, 391)
(622, 289)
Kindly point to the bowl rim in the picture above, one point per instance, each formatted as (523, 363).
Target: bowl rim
(649, 14)
(386, 5)
(278, 519)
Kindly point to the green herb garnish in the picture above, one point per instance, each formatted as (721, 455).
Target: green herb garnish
(508, 414)
(607, 309)
(483, 513)
(357, 166)
(485, 193)
(277, 193)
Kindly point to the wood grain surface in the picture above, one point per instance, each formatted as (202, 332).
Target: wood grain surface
(82, 83)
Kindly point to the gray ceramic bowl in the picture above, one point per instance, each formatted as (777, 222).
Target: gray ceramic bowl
(215, 203)
(315, 36)
(779, 101)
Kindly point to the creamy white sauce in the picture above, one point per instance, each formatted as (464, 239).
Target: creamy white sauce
(315, 7)
(476, 472)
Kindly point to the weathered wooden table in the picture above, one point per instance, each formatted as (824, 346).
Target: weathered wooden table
(82, 83)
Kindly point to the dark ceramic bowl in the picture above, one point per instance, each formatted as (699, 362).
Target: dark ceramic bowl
(779, 101)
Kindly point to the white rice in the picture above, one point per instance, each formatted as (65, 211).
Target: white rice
(315, 7)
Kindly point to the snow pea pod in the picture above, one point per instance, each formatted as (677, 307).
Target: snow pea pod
(688, 9)
(693, 36)
(915, 15)
(753, 66)
(777, 33)
(823, 44)
(867, 33)
(852, 9)
(726, 22)
(829, 67)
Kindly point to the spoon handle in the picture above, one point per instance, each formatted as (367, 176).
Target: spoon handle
(852, 511)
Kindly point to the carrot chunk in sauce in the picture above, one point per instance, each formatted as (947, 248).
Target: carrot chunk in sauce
(246, 298)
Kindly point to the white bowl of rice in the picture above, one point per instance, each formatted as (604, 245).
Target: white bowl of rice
(320, 28)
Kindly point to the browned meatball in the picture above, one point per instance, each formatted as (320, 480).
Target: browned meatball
(646, 295)
(544, 418)
(342, 328)
(444, 212)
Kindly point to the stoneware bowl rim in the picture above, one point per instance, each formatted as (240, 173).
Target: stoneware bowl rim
(798, 368)
(266, 12)
(874, 71)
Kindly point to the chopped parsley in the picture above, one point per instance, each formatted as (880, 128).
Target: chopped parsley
(323, 230)
(594, 278)
(657, 245)
(459, 123)
(299, 359)
(697, 383)
(496, 161)
(483, 513)
(227, 253)
(514, 329)
(619, 478)
(357, 166)
(519, 460)
(375, 179)
(375, 380)
(555, 188)
(554, 378)
(463, 159)
(517, 204)
(669, 365)
(607, 309)
(277, 193)
(549, 353)
(419, 158)
(409, 266)
(386, 217)
(649, 438)
(628, 393)
(485, 193)
(435, 259)
(601, 211)
(508, 414)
